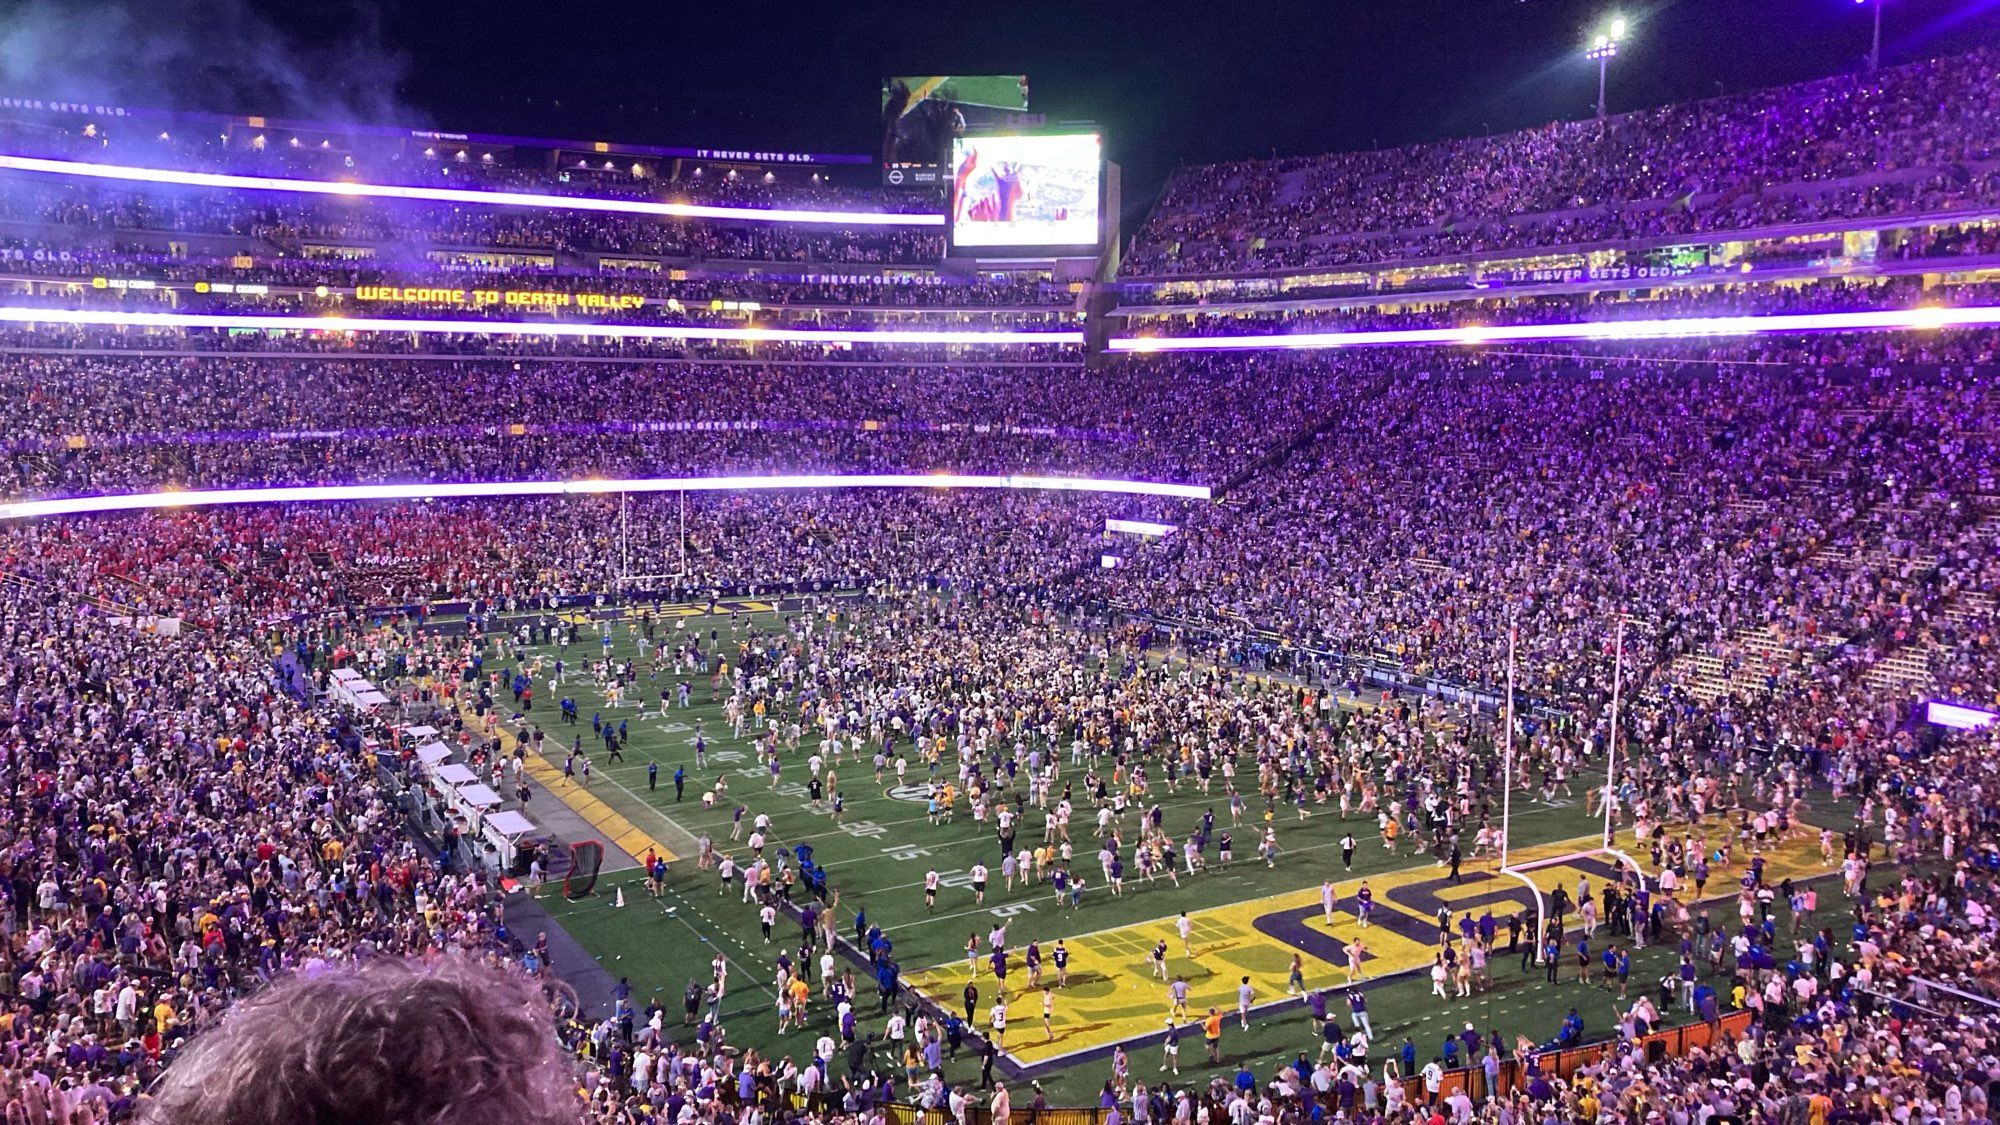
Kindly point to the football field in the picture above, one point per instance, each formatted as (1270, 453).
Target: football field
(1247, 919)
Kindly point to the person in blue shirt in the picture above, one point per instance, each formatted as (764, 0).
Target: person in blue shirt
(1409, 1057)
(1245, 1081)
(1704, 1003)
(1451, 1052)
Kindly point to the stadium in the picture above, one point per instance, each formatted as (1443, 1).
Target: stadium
(1493, 627)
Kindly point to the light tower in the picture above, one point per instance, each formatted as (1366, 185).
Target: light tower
(1603, 49)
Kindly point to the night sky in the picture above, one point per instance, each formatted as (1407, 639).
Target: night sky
(1169, 81)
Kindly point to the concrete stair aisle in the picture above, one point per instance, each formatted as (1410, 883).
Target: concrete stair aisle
(1905, 670)
(1753, 656)
(1972, 607)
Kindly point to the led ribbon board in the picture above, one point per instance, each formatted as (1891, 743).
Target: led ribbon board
(1671, 328)
(475, 490)
(1957, 716)
(1141, 527)
(233, 182)
(121, 319)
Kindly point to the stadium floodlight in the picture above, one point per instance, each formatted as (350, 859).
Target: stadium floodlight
(656, 208)
(115, 318)
(1604, 331)
(1602, 50)
(476, 490)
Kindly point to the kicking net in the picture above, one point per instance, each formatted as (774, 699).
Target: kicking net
(585, 859)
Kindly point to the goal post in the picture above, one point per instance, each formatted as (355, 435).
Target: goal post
(1606, 846)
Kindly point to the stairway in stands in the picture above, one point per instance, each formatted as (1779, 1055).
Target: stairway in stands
(1747, 664)
(1913, 668)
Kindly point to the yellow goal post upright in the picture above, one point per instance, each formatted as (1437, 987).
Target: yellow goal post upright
(1605, 846)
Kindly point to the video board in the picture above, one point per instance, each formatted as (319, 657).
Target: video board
(1028, 191)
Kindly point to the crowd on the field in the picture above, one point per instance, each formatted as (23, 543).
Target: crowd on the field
(1045, 723)
(1904, 140)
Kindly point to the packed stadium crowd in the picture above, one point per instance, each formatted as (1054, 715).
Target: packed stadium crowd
(125, 423)
(213, 906)
(443, 164)
(1910, 139)
(291, 224)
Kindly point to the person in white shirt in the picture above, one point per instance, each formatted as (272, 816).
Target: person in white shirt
(1433, 1074)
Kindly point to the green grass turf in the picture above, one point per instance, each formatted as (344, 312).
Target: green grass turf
(869, 860)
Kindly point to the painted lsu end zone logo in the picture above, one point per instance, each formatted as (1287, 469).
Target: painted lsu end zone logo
(1115, 994)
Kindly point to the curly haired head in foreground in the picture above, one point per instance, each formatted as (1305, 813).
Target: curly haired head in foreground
(390, 1042)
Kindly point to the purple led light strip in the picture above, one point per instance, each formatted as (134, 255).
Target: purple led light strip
(462, 195)
(116, 318)
(207, 497)
(1668, 328)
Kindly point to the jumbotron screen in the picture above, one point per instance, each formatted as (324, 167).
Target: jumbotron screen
(1028, 190)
